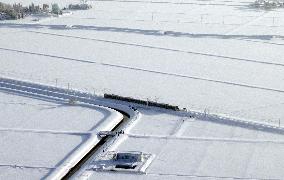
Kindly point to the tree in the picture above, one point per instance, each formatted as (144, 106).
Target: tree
(8, 9)
(55, 9)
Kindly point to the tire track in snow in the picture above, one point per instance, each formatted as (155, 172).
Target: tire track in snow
(35, 131)
(165, 49)
(207, 139)
(202, 176)
(247, 23)
(25, 167)
(146, 70)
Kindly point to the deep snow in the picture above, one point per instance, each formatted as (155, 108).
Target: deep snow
(39, 137)
(221, 56)
(224, 57)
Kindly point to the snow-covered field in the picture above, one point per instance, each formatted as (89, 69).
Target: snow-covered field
(190, 148)
(225, 56)
(39, 137)
(221, 57)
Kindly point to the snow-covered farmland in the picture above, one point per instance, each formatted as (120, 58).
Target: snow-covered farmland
(220, 57)
(216, 55)
(39, 137)
(190, 148)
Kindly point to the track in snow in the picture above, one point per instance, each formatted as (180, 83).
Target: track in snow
(148, 71)
(229, 58)
(138, 136)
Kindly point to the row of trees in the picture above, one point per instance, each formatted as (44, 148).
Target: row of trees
(17, 11)
(269, 4)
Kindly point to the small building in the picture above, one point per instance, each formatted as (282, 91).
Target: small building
(131, 156)
(130, 161)
(127, 160)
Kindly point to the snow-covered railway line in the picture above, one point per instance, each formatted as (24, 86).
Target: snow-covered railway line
(69, 94)
(52, 92)
(56, 93)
